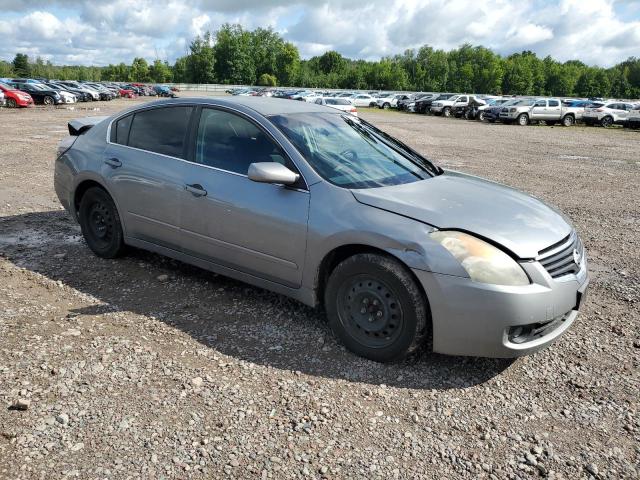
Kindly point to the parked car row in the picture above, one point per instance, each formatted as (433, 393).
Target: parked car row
(25, 92)
(521, 110)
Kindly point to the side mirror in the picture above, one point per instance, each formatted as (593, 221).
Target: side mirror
(272, 172)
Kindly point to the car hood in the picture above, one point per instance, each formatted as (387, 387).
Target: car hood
(520, 223)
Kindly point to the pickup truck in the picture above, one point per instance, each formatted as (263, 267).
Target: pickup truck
(391, 102)
(443, 107)
(549, 110)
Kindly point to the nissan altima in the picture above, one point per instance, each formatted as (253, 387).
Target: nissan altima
(316, 204)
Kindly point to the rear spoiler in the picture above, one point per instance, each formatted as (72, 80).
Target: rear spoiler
(78, 126)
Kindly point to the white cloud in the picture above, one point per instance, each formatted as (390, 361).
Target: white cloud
(594, 31)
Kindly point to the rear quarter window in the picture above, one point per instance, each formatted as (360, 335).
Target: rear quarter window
(161, 130)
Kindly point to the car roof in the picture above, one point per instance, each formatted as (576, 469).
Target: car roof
(263, 105)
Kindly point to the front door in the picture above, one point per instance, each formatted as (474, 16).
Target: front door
(256, 228)
(144, 167)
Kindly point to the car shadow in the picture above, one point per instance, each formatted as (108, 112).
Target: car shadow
(231, 317)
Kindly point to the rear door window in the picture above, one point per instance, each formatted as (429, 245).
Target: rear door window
(554, 103)
(161, 130)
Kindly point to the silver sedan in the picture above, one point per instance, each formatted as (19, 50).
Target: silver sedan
(321, 206)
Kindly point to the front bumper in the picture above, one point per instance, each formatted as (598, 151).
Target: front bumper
(481, 320)
(436, 109)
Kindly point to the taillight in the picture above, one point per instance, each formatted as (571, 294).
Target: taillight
(353, 110)
(599, 110)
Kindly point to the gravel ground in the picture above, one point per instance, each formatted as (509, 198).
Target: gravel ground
(147, 368)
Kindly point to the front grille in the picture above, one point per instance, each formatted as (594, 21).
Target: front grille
(564, 257)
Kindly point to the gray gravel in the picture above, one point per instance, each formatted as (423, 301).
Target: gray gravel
(147, 368)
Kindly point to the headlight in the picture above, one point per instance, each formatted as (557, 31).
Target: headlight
(512, 110)
(483, 262)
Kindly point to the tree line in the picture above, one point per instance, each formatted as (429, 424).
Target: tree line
(234, 55)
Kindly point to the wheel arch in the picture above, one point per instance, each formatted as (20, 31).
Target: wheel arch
(340, 253)
(81, 188)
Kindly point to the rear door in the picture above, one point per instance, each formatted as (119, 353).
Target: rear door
(256, 228)
(144, 164)
(554, 109)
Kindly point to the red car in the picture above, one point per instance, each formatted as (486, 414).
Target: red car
(125, 92)
(15, 98)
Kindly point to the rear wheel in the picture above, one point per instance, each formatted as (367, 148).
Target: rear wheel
(523, 119)
(11, 103)
(375, 307)
(100, 223)
(606, 122)
(568, 121)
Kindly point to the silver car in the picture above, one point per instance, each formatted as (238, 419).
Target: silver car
(312, 203)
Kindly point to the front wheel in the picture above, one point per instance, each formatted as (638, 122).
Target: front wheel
(11, 103)
(523, 119)
(446, 112)
(100, 223)
(386, 106)
(48, 100)
(480, 116)
(375, 307)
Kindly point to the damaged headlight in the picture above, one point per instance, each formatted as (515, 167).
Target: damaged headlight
(483, 262)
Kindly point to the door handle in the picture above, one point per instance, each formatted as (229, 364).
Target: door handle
(113, 162)
(196, 190)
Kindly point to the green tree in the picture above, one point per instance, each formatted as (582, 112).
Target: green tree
(234, 55)
(267, 80)
(139, 71)
(331, 62)
(21, 67)
(159, 71)
(199, 64)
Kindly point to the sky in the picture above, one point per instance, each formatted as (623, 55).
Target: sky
(99, 32)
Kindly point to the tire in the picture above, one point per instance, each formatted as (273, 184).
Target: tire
(100, 223)
(48, 100)
(392, 317)
(11, 103)
(568, 121)
(446, 112)
(372, 104)
(480, 116)
(386, 106)
(606, 122)
(523, 119)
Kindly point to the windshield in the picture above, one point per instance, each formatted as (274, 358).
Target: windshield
(352, 153)
(526, 103)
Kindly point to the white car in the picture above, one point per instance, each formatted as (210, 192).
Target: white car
(364, 100)
(306, 97)
(342, 104)
(391, 101)
(2, 99)
(634, 117)
(444, 107)
(607, 113)
(83, 88)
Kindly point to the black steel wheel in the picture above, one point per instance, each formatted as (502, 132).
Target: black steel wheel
(375, 307)
(100, 223)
